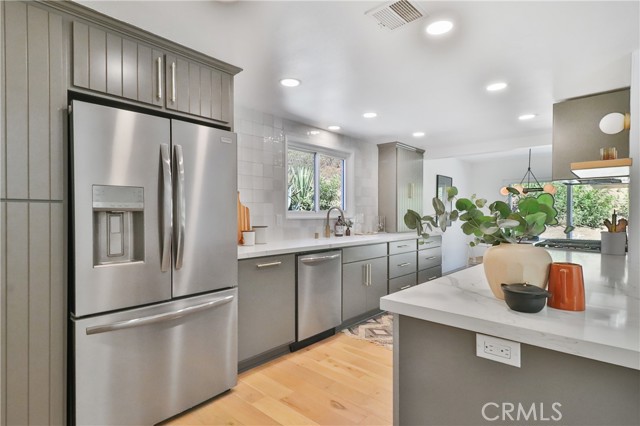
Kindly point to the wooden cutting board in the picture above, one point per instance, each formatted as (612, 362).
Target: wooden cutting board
(244, 219)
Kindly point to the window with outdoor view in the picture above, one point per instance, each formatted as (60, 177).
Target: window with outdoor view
(315, 179)
(590, 206)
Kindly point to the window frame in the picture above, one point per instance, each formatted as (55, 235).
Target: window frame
(347, 177)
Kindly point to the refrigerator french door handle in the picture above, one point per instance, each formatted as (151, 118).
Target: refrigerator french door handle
(167, 210)
(180, 206)
(154, 319)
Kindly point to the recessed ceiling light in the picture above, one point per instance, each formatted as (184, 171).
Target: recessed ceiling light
(439, 27)
(494, 87)
(526, 116)
(313, 132)
(369, 115)
(333, 128)
(290, 82)
(418, 134)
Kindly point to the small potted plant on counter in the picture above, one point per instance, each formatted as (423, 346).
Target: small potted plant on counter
(348, 223)
(503, 227)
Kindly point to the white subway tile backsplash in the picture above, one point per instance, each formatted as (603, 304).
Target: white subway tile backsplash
(267, 119)
(257, 182)
(262, 172)
(256, 169)
(245, 168)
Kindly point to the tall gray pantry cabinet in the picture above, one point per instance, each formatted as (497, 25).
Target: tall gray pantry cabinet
(49, 48)
(399, 183)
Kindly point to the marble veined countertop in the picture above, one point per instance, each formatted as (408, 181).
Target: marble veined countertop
(311, 244)
(608, 330)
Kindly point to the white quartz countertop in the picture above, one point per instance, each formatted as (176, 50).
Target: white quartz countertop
(311, 244)
(608, 330)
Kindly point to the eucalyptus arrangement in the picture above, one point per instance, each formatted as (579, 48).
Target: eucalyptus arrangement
(492, 223)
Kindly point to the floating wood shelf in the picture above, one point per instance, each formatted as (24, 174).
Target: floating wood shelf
(602, 168)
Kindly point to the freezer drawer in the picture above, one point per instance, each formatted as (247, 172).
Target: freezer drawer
(319, 293)
(141, 366)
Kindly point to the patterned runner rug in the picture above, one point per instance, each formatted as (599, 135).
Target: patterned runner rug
(378, 330)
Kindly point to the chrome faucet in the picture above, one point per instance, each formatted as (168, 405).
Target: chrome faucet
(327, 227)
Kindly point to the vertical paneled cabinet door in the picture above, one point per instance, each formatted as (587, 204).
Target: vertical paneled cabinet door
(109, 63)
(197, 89)
(409, 183)
(364, 282)
(35, 92)
(266, 304)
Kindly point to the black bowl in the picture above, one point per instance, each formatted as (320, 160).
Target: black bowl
(525, 297)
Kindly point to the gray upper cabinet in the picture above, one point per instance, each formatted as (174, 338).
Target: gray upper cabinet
(108, 63)
(400, 170)
(364, 279)
(111, 63)
(197, 89)
(576, 133)
(266, 304)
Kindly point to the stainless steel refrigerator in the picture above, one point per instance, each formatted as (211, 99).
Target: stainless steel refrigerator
(153, 297)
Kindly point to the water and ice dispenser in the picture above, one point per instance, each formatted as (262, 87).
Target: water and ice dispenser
(118, 224)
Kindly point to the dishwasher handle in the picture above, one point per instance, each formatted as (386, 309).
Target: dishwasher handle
(319, 259)
(153, 319)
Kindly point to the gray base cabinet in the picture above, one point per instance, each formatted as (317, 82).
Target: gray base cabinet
(364, 282)
(414, 262)
(430, 259)
(266, 304)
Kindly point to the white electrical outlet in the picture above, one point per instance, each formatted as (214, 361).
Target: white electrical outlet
(500, 350)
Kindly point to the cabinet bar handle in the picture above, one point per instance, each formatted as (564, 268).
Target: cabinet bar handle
(159, 77)
(430, 258)
(368, 274)
(267, 265)
(173, 82)
(365, 272)
(405, 287)
(403, 245)
(432, 278)
(402, 265)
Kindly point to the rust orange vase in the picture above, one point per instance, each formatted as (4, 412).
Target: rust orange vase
(566, 285)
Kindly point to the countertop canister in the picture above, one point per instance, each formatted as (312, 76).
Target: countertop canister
(261, 234)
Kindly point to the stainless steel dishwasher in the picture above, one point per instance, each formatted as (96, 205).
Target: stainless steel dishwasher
(319, 293)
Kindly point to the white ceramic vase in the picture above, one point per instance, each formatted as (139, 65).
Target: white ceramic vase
(516, 263)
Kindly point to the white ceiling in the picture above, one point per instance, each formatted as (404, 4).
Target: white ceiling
(546, 51)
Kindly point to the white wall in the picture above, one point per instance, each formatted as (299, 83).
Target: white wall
(489, 174)
(633, 257)
(262, 172)
(484, 176)
(455, 246)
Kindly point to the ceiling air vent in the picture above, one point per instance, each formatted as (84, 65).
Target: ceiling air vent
(396, 14)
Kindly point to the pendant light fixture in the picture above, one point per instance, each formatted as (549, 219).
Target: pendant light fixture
(528, 187)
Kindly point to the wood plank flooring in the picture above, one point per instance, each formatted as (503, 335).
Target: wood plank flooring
(339, 381)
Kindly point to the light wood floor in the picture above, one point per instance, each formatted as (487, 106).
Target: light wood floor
(339, 381)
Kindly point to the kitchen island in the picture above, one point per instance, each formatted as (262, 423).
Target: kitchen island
(579, 368)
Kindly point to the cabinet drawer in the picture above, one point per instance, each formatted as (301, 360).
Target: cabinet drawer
(402, 264)
(355, 254)
(432, 241)
(402, 283)
(429, 274)
(404, 246)
(429, 258)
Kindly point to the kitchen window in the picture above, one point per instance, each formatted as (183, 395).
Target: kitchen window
(585, 207)
(316, 179)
